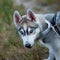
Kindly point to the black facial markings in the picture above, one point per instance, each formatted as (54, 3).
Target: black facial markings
(36, 26)
(31, 31)
(22, 31)
(28, 31)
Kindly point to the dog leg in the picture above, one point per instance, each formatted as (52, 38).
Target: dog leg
(51, 55)
(57, 55)
(58, 58)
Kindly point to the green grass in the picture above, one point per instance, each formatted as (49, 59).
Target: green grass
(11, 45)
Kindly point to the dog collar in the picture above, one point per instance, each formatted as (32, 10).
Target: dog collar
(53, 22)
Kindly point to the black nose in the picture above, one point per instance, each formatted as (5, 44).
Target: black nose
(28, 45)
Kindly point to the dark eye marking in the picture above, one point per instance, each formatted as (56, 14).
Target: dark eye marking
(31, 31)
(36, 26)
(20, 28)
(22, 31)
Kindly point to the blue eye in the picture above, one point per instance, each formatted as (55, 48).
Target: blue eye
(22, 32)
(31, 31)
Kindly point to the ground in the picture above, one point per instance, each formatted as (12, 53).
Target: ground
(11, 45)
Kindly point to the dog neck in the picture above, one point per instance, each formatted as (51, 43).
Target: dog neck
(42, 35)
(46, 29)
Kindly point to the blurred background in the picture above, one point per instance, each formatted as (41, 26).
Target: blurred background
(11, 46)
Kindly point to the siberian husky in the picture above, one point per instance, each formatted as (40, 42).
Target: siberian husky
(35, 26)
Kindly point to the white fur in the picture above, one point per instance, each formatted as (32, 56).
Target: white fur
(16, 12)
(53, 45)
(49, 26)
(29, 38)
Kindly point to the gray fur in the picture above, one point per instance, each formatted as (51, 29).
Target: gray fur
(52, 39)
(44, 32)
(49, 16)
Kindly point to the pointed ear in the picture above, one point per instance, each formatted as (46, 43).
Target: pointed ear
(17, 17)
(31, 15)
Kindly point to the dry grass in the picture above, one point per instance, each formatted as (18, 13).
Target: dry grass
(11, 47)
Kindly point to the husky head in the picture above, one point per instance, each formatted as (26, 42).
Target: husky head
(28, 26)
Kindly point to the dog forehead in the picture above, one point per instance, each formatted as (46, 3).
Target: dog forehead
(26, 22)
